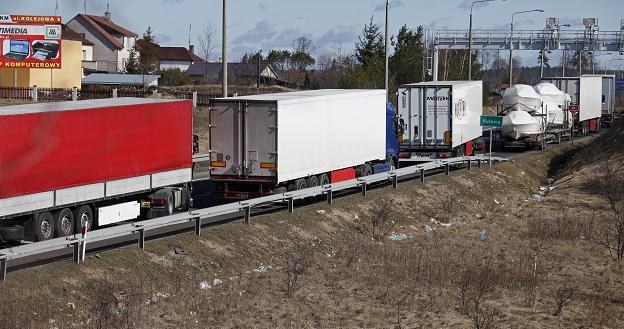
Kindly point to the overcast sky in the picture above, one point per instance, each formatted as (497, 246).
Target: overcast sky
(331, 24)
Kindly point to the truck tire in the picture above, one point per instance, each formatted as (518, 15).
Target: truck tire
(301, 184)
(324, 180)
(312, 181)
(366, 170)
(44, 226)
(63, 223)
(11, 233)
(81, 215)
(584, 128)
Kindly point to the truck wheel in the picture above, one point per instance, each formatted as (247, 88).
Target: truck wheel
(459, 151)
(63, 223)
(300, 184)
(366, 170)
(44, 226)
(312, 181)
(324, 180)
(11, 233)
(82, 215)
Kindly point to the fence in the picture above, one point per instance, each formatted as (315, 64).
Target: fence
(37, 94)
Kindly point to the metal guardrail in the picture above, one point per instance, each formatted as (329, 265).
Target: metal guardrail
(201, 215)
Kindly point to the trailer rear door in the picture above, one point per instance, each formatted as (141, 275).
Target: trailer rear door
(260, 143)
(437, 115)
(243, 139)
(225, 139)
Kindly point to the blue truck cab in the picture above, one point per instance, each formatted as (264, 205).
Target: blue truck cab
(392, 142)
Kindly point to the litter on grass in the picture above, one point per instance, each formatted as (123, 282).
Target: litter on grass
(397, 237)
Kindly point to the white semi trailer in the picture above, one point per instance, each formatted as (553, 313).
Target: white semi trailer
(585, 100)
(272, 143)
(608, 97)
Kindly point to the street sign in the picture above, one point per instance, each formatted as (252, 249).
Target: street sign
(491, 121)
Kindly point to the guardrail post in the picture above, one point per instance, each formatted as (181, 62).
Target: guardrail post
(469, 164)
(74, 94)
(291, 205)
(76, 252)
(114, 92)
(363, 184)
(479, 163)
(198, 224)
(141, 231)
(330, 196)
(35, 93)
(446, 169)
(422, 175)
(395, 181)
(195, 99)
(247, 214)
(3, 268)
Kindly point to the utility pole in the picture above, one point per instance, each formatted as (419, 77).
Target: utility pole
(386, 43)
(224, 86)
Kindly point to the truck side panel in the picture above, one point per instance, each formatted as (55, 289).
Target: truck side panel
(467, 111)
(47, 151)
(323, 135)
(591, 98)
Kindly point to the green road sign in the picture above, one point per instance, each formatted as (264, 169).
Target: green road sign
(491, 121)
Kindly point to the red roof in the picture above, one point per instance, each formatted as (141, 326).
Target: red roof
(170, 53)
(107, 29)
(174, 53)
(69, 34)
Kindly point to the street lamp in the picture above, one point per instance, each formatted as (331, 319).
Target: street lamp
(511, 41)
(470, 38)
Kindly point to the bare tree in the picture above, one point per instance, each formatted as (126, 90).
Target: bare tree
(380, 214)
(206, 43)
(563, 296)
(298, 260)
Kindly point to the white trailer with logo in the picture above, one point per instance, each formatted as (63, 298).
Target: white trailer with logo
(439, 119)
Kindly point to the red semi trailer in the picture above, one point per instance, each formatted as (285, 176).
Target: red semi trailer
(97, 162)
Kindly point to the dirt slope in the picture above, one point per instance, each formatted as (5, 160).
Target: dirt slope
(476, 247)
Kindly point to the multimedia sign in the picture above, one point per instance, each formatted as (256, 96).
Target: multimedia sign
(32, 42)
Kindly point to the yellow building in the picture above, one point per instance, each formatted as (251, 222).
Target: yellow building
(68, 76)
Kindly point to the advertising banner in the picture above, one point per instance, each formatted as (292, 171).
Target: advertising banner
(32, 42)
